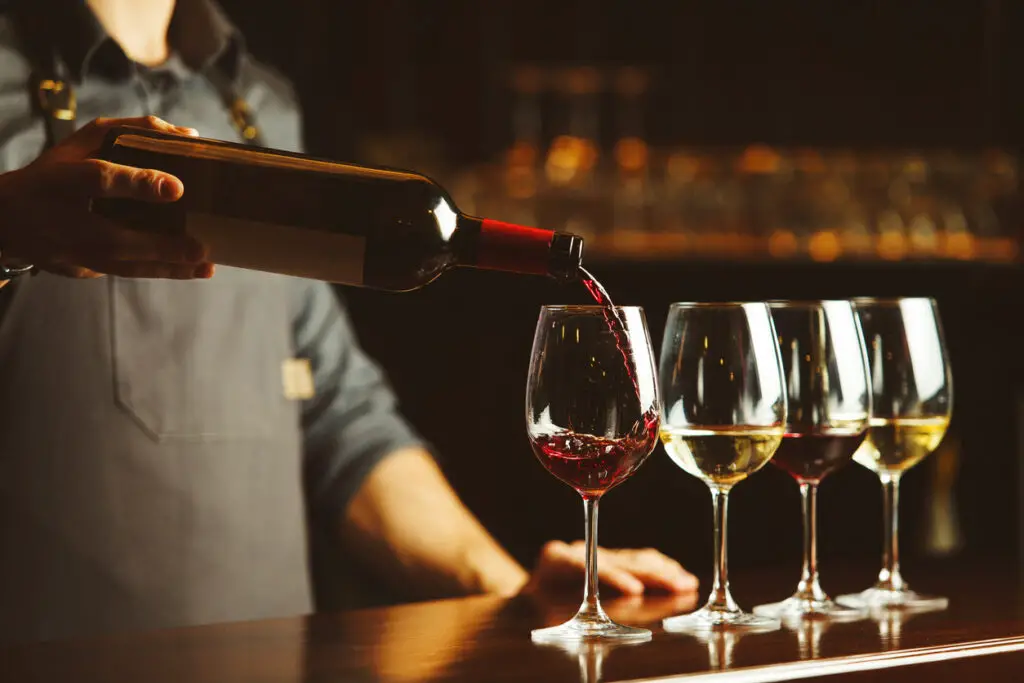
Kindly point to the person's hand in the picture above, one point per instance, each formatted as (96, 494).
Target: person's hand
(45, 218)
(561, 566)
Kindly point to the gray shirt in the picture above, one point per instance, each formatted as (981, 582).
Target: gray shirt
(159, 450)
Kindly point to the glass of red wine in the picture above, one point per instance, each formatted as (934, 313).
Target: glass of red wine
(828, 395)
(592, 418)
(724, 415)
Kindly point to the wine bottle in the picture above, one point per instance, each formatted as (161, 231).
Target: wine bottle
(293, 214)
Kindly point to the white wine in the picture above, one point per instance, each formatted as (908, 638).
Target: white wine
(722, 456)
(896, 445)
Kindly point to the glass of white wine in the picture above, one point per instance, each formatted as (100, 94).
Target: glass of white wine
(912, 401)
(724, 415)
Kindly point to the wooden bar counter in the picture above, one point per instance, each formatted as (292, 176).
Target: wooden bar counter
(979, 637)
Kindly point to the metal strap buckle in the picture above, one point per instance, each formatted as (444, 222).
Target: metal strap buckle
(57, 99)
(242, 118)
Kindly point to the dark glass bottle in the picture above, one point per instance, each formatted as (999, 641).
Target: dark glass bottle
(292, 214)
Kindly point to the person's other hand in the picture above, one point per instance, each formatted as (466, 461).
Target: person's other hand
(561, 566)
(45, 218)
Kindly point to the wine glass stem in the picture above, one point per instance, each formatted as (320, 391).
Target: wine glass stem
(809, 589)
(889, 578)
(720, 598)
(591, 606)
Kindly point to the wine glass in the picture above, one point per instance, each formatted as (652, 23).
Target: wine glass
(592, 417)
(912, 400)
(724, 416)
(829, 405)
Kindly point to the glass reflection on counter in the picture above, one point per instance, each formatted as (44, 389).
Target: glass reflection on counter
(591, 655)
(721, 644)
(891, 621)
(809, 631)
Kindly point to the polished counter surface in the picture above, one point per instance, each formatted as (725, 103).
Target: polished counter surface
(980, 635)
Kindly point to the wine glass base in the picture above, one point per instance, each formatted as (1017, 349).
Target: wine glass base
(875, 598)
(578, 629)
(799, 608)
(706, 619)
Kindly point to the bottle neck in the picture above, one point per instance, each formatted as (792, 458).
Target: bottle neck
(495, 245)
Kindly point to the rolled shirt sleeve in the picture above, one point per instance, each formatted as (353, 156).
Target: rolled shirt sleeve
(352, 422)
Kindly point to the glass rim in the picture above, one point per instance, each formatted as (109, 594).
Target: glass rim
(804, 303)
(714, 304)
(586, 308)
(890, 300)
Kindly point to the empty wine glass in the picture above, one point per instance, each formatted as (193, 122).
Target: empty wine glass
(592, 418)
(829, 404)
(724, 416)
(912, 401)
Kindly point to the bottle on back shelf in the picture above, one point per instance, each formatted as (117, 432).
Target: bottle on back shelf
(292, 214)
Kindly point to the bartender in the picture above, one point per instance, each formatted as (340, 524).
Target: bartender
(170, 437)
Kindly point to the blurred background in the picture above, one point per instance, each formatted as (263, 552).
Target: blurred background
(706, 149)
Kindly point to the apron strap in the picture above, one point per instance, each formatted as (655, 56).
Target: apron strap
(242, 117)
(50, 93)
(53, 97)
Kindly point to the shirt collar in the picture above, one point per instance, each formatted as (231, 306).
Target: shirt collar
(200, 34)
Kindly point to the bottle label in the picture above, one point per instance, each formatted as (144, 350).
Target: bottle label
(515, 248)
(287, 249)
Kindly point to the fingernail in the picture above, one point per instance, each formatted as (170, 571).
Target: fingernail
(170, 189)
(188, 131)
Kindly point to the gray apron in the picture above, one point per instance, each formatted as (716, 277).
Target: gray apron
(150, 464)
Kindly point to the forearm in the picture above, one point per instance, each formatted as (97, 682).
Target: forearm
(407, 523)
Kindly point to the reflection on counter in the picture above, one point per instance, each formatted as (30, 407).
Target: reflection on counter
(890, 625)
(808, 632)
(721, 644)
(591, 655)
(568, 169)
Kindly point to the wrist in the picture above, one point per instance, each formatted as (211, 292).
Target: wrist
(488, 568)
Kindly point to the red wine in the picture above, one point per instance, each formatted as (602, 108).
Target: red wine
(811, 455)
(597, 291)
(293, 214)
(614, 320)
(592, 465)
(618, 329)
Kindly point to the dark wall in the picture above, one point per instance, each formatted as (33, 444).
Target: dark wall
(863, 72)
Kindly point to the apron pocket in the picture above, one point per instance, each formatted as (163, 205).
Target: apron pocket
(201, 359)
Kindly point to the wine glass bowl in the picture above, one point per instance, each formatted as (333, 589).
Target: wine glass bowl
(592, 415)
(724, 415)
(912, 402)
(828, 396)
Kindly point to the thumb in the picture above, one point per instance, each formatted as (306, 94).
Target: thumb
(90, 136)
